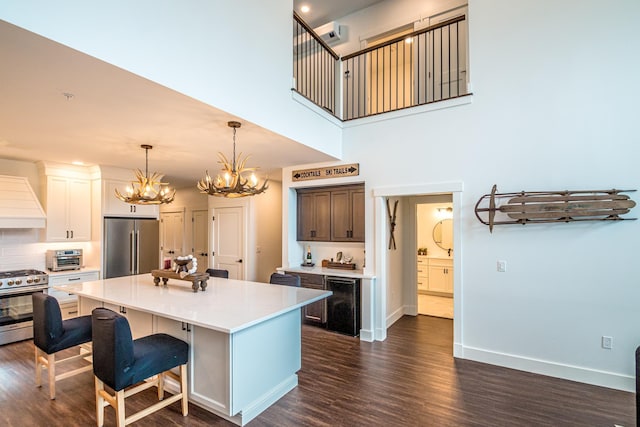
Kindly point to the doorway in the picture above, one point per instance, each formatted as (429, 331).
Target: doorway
(392, 279)
(434, 255)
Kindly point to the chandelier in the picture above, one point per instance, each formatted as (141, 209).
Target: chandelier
(232, 183)
(148, 190)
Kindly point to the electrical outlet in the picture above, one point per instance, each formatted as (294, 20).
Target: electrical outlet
(607, 342)
(502, 266)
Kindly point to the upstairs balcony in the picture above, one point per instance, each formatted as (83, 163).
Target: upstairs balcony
(398, 71)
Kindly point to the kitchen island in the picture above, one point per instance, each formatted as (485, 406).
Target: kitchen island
(244, 337)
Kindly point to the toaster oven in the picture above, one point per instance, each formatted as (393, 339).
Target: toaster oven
(64, 259)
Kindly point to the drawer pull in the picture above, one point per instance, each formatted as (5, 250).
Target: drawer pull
(71, 279)
(72, 312)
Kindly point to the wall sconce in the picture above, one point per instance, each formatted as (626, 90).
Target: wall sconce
(444, 213)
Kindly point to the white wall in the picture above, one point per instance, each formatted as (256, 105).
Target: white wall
(547, 114)
(236, 56)
(267, 216)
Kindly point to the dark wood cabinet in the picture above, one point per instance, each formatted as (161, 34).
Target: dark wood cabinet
(331, 214)
(347, 214)
(314, 313)
(314, 219)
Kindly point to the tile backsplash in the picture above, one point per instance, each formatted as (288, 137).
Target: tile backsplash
(21, 248)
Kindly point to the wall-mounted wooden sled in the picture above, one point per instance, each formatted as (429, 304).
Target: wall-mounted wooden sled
(552, 206)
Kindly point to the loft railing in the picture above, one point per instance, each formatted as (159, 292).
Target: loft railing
(425, 66)
(314, 66)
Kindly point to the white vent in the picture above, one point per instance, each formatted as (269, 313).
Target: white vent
(330, 32)
(19, 206)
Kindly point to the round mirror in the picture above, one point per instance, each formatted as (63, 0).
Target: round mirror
(443, 235)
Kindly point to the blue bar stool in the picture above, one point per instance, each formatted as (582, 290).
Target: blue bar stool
(120, 362)
(51, 334)
(215, 272)
(285, 279)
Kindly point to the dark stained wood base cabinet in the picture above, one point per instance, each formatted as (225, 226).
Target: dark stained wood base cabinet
(315, 313)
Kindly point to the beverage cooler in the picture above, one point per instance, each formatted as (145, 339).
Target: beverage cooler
(343, 307)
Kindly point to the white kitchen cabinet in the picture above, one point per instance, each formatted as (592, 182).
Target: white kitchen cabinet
(112, 206)
(69, 310)
(141, 323)
(423, 273)
(208, 352)
(68, 206)
(69, 302)
(441, 275)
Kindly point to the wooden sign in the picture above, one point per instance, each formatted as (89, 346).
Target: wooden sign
(340, 171)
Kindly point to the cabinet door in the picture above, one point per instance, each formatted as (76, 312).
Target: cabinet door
(441, 278)
(347, 215)
(340, 216)
(57, 214)
(357, 215)
(314, 210)
(322, 216)
(79, 208)
(314, 313)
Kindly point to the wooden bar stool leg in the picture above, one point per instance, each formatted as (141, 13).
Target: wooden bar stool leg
(183, 389)
(161, 386)
(38, 367)
(51, 367)
(99, 402)
(120, 408)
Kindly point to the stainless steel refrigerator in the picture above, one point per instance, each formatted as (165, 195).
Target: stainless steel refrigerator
(131, 246)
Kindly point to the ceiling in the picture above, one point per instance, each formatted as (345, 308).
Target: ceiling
(323, 11)
(58, 104)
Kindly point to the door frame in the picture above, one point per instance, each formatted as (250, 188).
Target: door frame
(381, 226)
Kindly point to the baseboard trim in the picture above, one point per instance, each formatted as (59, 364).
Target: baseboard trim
(543, 367)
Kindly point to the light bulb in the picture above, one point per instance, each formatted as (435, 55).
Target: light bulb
(254, 180)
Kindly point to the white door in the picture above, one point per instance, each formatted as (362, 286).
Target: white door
(228, 238)
(200, 248)
(171, 234)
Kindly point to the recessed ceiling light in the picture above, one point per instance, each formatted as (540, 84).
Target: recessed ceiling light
(77, 163)
(304, 9)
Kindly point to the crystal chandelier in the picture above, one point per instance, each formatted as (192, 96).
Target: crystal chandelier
(149, 190)
(232, 182)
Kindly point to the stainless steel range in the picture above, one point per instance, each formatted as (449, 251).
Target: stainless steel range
(16, 309)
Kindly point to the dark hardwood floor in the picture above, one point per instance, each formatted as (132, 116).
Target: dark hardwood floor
(411, 379)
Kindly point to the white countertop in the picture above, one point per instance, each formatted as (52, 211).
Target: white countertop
(227, 305)
(355, 274)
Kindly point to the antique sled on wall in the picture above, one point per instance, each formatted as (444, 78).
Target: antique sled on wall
(552, 206)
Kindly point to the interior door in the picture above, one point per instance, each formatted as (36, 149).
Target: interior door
(200, 247)
(171, 234)
(228, 238)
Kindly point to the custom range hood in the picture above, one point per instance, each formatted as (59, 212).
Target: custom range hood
(19, 206)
